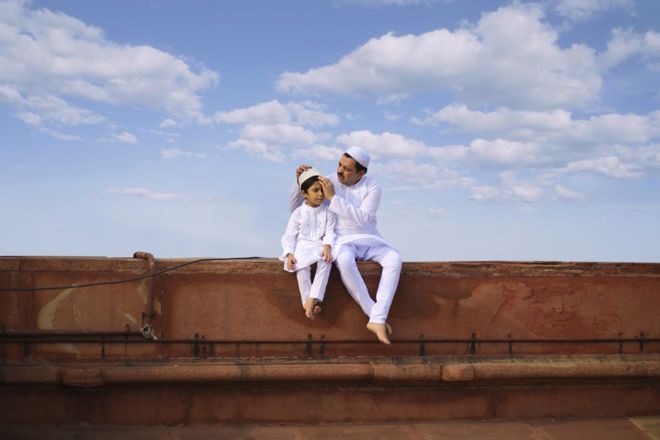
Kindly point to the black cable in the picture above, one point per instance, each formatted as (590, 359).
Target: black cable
(127, 280)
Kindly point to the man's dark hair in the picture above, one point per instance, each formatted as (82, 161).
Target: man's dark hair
(307, 183)
(358, 166)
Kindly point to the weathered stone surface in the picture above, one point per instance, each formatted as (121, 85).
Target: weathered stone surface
(252, 307)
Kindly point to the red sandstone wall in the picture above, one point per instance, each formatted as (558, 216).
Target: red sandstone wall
(246, 305)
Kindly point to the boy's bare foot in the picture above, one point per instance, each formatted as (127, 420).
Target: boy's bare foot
(312, 308)
(380, 330)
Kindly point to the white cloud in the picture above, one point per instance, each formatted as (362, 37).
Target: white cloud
(48, 108)
(259, 148)
(36, 121)
(167, 135)
(648, 155)
(145, 194)
(168, 123)
(611, 166)
(519, 190)
(271, 129)
(562, 193)
(625, 44)
(411, 173)
(51, 58)
(503, 151)
(449, 153)
(510, 57)
(306, 113)
(271, 112)
(580, 10)
(512, 189)
(616, 128)
(383, 144)
(123, 137)
(318, 153)
(501, 121)
(279, 134)
(552, 143)
(485, 194)
(59, 135)
(554, 131)
(29, 118)
(173, 153)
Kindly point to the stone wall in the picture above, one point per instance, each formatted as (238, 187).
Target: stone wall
(252, 308)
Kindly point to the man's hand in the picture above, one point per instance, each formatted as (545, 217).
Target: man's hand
(301, 168)
(290, 261)
(326, 253)
(328, 187)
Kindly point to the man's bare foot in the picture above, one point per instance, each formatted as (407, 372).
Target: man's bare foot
(380, 330)
(312, 308)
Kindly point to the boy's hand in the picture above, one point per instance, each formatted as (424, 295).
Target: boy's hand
(290, 261)
(326, 253)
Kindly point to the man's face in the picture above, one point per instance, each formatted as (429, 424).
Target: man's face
(346, 171)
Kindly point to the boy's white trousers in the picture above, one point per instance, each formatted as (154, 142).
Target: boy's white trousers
(315, 289)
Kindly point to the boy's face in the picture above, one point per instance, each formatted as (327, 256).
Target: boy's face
(314, 195)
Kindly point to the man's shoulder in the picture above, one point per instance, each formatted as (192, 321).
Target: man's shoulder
(370, 182)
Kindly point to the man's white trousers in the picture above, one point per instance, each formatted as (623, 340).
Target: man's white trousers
(389, 259)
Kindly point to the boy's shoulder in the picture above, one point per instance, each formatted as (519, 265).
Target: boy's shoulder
(296, 212)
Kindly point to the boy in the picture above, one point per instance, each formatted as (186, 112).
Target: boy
(308, 239)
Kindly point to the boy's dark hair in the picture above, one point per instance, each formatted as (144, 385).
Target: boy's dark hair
(358, 166)
(307, 183)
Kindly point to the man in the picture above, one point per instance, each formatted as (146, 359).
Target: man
(354, 198)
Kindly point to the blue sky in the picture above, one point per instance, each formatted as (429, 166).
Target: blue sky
(499, 130)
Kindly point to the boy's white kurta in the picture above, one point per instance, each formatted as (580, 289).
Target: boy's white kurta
(308, 229)
(358, 239)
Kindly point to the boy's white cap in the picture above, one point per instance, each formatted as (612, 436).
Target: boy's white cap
(360, 155)
(310, 172)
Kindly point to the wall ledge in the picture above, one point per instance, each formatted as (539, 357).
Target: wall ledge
(372, 369)
(273, 265)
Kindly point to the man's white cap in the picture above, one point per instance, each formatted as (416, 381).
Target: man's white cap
(360, 155)
(310, 172)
